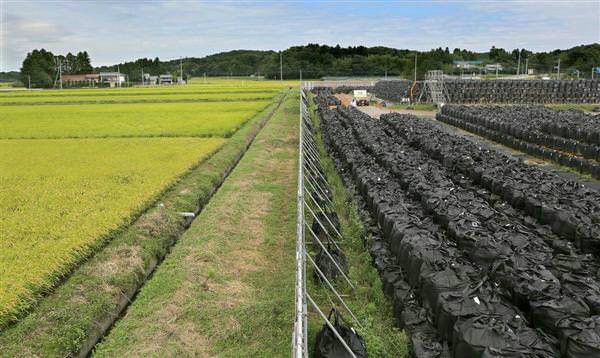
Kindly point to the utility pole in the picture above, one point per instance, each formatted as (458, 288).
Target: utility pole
(415, 67)
(204, 77)
(496, 70)
(519, 63)
(118, 76)
(142, 76)
(181, 69)
(558, 68)
(527, 66)
(280, 66)
(60, 72)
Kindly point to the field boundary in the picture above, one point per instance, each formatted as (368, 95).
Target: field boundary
(77, 313)
(187, 100)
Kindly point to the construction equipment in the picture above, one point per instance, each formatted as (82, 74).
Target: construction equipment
(360, 98)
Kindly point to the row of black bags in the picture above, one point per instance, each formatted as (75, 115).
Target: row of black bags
(340, 135)
(563, 128)
(429, 268)
(582, 165)
(570, 208)
(498, 91)
(478, 235)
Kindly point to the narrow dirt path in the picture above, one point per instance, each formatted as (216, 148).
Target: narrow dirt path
(227, 287)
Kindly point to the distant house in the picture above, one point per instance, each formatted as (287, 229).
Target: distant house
(466, 64)
(82, 79)
(112, 78)
(165, 80)
(150, 80)
(494, 67)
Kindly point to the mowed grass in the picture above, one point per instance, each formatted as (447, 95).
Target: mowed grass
(138, 97)
(218, 119)
(63, 198)
(227, 287)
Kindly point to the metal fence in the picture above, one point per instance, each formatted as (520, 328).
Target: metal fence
(314, 206)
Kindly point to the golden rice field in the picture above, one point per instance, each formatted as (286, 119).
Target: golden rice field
(71, 174)
(62, 197)
(138, 97)
(195, 119)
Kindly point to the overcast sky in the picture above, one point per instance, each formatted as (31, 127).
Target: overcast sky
(115, 31)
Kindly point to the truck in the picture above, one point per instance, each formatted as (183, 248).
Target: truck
(360, 98)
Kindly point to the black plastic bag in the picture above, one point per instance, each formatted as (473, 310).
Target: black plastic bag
(329, 346)
(327, 266)
(582, 337)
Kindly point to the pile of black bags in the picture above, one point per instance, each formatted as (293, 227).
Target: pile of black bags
(571, 209)
(392, 90)
(567, 137)
(499, 91)
(474, 274)
(523, 91)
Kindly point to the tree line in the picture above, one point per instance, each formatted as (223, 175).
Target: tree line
(40, 68)
(316, 61)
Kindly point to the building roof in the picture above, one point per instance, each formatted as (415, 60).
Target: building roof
(166, 76)
(80, 77)
(467, 62)
(111, 74)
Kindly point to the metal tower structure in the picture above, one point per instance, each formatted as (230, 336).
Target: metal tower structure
(434, 83)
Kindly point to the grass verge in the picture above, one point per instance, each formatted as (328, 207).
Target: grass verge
(415, 107)
(227, 287)
(71, 319)
(588, 107)
(368, 302)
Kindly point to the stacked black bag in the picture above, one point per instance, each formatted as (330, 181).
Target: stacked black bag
(329, 346)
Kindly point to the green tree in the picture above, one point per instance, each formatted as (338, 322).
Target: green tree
(39, 66)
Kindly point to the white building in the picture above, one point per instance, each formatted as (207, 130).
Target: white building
(165, 80)
(494, 67)
(112, 78)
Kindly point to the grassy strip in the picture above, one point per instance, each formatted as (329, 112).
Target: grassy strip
(588, 107)
(368, 302)
(227, 288)
(71, 319)
(415, 107)
(84, 92)
(133, 101)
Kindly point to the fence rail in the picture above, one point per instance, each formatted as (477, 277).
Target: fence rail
(313, 186)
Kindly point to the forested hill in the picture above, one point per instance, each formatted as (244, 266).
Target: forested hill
(322, 60)
(317, 61)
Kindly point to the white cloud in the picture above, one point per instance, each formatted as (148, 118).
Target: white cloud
(117, 31)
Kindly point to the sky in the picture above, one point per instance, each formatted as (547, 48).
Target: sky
(117, 31)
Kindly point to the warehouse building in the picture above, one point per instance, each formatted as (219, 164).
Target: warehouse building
(89, 79)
